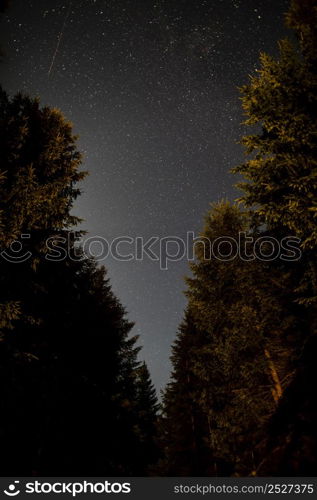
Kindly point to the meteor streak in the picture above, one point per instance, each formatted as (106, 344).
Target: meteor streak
(59, 39)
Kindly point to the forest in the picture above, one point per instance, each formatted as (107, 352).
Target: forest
(75, 399)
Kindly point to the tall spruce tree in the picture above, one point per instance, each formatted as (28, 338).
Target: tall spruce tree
(68, 365)
(235, 357)
(281, 188)
(147, 408)
(235, 385)
(282, 99)
(38, 173)
(183, 427)
(281, 170)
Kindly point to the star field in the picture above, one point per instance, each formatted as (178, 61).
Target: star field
(151, 87)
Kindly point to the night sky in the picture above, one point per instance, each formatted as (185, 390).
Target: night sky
(151, 87)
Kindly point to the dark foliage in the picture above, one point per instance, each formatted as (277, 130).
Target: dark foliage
(74, 400)
(249, 349)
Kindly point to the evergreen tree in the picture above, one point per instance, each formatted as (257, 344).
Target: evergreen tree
(183, 428)
(281, 170)
(146, 412)
(68, 365)
(231, 363)
(235, 357)
(39, 169)
(282, 99)
(38, 172)
(252, 343)
(281, 188)
(291, 447)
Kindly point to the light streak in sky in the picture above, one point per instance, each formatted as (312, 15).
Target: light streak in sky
(59, 39)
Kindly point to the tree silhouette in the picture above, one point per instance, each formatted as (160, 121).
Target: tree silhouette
(69, 370)
(281, 188)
